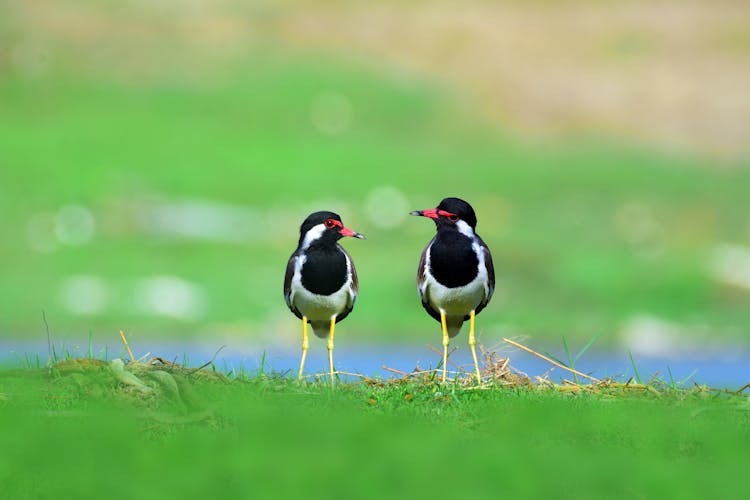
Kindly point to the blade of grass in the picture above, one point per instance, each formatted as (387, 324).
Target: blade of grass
(586, 347)
(692, 374)
(671, 378)
(50, 348)
(635, 368)
(571, 362)
(262, 370)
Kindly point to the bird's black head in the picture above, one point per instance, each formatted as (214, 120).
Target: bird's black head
(324, 228)
(449, 213)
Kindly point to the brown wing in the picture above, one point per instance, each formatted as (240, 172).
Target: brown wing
(288, 284)
(421, 283)
(353, 288)
(355, 279)
(490, 276)
(420, 272)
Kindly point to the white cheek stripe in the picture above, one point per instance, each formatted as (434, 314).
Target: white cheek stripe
(314, 233)
(465, 229)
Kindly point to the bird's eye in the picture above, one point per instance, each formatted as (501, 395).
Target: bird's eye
(453, 217)
(330, 223)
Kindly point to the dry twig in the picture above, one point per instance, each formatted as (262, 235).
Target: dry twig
(125, 341)
(571, 370)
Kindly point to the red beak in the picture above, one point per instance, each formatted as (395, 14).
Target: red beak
(431, 213)
(348, 232)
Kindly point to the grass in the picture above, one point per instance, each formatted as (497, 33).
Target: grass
(635, 367)
(586, 234)
(78, 429)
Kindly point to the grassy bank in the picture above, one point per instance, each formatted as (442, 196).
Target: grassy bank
(81, 430)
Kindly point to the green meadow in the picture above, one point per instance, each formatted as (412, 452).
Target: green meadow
(585, 233)
(157, 160)
(79, 431)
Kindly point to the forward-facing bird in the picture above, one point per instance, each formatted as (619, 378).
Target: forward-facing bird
(321, 285)
(456, 277)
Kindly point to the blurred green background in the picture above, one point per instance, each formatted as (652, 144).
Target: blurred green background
(157, 158)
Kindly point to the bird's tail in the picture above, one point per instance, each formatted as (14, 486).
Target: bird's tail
(321, 329)
(454, 325)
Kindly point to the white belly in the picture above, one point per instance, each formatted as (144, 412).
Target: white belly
(319, 308)
(458, 301)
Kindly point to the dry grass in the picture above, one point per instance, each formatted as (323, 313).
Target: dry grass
(496, 372)
(671, 72)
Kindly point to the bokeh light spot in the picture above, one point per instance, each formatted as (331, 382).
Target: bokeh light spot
(171, 296)
(84, 294)
(386, 207)
(331, 113)
(40, 233)
(74, 225)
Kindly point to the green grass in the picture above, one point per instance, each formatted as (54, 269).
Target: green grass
(77, 431)
(115, 125)
(547, 211)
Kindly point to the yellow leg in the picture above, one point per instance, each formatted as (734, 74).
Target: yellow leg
(446, 341)
(305, 346)
(330, 348)
(472, 343)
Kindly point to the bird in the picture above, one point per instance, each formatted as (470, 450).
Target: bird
(456, 276)
(321, 284)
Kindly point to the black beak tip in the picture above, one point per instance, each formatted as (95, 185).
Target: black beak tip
(416, 212)
(360, 236)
